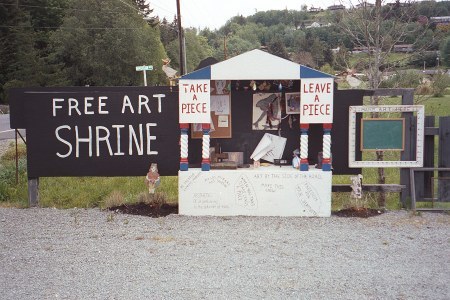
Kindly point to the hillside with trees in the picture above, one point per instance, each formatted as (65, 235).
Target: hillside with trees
(99, 43)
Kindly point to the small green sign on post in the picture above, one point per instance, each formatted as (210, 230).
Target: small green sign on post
(383, 134)
(144, 69)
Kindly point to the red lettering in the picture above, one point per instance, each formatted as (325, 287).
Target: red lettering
(317, 88)
(305, 108)
(194, 98)
(316, 109)
(316, 99)
(193, 108)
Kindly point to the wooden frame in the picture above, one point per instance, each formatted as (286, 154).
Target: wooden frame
(292, 109)
(362, 143)
(413, 188)
(420, 136)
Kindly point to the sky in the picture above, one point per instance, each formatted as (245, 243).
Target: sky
(214, 14)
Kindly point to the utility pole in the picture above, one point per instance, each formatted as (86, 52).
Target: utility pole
(180, 39)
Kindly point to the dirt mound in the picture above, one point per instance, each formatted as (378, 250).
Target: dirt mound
(144, 209)
(358, 212)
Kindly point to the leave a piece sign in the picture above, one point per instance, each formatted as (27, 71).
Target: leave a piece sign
(194, 101)
(316, 101)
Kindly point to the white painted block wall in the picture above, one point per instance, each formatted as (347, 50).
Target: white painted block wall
(264, 191)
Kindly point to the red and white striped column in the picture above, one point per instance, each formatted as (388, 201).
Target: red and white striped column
(304, 165)
(184, 163)
(206, 163)
(326, 162)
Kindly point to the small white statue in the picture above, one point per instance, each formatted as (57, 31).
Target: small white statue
(171, 73)
(356, 186)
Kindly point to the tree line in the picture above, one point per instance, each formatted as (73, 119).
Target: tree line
(99, 43)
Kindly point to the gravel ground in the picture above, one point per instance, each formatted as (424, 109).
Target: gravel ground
(91, 254)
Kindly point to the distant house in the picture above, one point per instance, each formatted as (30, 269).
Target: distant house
(336, 50)
(315, 9)
(336, 7)
(400, 4)
(317, 25)
(364, 4)
(314, 25)
(440, 20)
(363, 49)
(403, 48)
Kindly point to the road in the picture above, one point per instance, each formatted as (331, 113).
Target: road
(5, 130)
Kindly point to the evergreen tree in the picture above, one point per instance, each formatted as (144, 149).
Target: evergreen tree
(445, 52)
(98, 49)
(276, 47)
(169, 31)
(146, 11)
(18, 58)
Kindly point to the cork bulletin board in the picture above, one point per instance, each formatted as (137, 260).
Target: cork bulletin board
(220, 112)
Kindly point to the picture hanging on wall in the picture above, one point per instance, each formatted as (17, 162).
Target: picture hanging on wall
(220, 117)
(220, 87)
(292, 103)
(266, 111)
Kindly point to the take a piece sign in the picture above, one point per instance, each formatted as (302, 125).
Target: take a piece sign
(194, 101)
(316, 100)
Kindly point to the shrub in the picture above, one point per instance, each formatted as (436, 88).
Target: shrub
(10, 153)
(440, 82)
(114, 199)
(406, 79)
(9, 190)
(423, 89)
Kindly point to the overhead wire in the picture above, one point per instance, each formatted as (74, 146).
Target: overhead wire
(185, 18)
(65, 27)
(76, 9)
(109, 11)
(65, 8)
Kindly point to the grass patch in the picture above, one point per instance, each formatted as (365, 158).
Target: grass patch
(103, 192)
(12, 193)
(10, 153)
(68, 192)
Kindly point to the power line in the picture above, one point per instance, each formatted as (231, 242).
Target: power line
(64, 27)
(110, 11)
(152, 3)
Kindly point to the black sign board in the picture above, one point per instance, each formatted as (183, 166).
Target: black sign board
(120, 131)
(104, 131)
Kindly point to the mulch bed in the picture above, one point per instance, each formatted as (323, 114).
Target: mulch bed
(144, 209)
(358, 212)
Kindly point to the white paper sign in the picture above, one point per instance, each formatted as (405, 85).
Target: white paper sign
(220, 104)
(276, 148)
(270, 147)
(194, 101)
(316, 100)
(222, 121)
